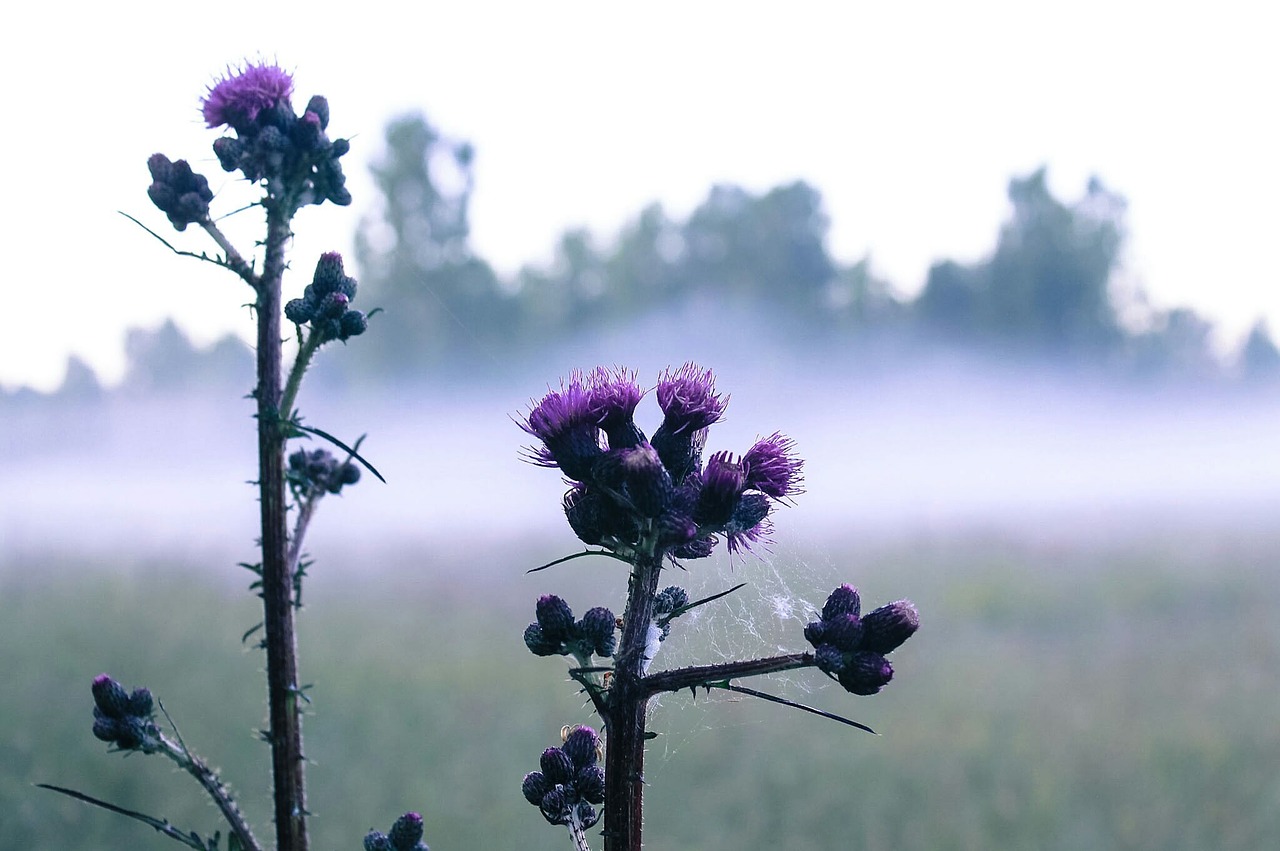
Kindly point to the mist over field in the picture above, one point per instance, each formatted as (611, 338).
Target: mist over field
(945, 445)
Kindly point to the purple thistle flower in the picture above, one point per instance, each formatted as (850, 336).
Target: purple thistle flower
(773, 468)
(238, 98)
(688, 398)
(565, 424)
(613, 397)
(722, 483)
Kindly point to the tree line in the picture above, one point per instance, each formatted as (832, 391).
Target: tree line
(1046, 291)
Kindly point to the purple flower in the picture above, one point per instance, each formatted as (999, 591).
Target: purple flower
(613, 397)
(773, 468)
(722, 483)
(566, 425)
(688, 398)
(238, 98)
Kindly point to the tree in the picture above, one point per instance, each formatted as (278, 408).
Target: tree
(442, 305)
(1047, 285)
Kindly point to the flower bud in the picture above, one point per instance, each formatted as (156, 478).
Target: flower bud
(406, 832)
(590, 783)
(538, 643)
(376, 840)
(110, 696)
(829, 659)
(555, 806)
(556, 766)
(845, 633)
(865, 673)
(299, 311)
(555, 617)
(887, 627)
(587, 816)
(580, 746)
(534, 787)
(140, 703)
(843, 600)
(597, 628)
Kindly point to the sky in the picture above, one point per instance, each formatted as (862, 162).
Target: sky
(909, 117)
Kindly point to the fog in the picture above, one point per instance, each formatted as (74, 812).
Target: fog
(943, 446)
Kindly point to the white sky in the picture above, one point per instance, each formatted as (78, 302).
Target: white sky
(910, 118)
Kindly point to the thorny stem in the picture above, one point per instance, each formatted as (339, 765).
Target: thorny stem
(220, 794)
(704, 676)
(284, 711)
(625, 722)
(235, 262)
(300, 364)
(306, 510)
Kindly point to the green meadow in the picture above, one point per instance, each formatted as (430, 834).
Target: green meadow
(1115, 694)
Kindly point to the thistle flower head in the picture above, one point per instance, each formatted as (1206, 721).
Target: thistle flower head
(242, 94)
(612, 399)
(688, 398)
(722, 483)
(567, 427)
(773, 468)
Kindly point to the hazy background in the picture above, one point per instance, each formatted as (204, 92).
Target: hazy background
(1002, 275)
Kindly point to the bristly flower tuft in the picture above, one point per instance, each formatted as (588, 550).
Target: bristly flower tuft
(237, 99)
(773, 468)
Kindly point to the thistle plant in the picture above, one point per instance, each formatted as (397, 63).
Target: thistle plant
(290, 158)
(652, 503)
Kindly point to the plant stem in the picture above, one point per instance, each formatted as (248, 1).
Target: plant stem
(300, 364)
(625, 722)
(284, 712)
(706, 675)
(221, 796)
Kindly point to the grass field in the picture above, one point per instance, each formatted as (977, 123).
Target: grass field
(1119, 695)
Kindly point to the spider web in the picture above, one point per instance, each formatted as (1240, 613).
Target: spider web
(767, 617)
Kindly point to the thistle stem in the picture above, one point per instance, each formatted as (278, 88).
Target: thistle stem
(705, 676)
(625, 721)
(284, 712)
(220, 794)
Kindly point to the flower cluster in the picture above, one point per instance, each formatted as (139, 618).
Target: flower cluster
(851, 647)
(570, 781)
(318, 471)
(271, 142)
(405, 835)
(122, 718)
(665, 605)
(325, 303)
(179, 192)
(557, 634)
(628, 491)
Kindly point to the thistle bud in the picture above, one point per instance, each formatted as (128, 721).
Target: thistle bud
(887, 627)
